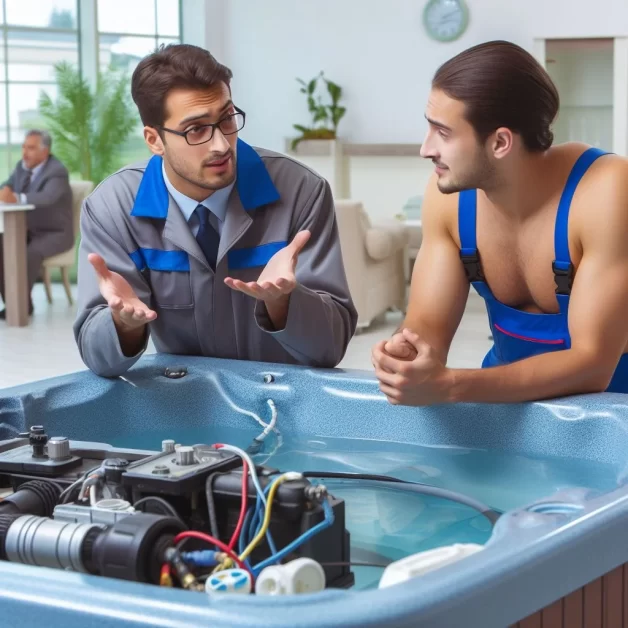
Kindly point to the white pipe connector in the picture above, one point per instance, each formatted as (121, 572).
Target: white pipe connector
(302, 575)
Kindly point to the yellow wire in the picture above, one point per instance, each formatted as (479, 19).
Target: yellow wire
(225, 564)
(269, 503)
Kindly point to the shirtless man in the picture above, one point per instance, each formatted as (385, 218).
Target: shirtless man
(540, 231)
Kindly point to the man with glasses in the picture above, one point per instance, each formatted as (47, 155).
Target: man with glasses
(214, 247)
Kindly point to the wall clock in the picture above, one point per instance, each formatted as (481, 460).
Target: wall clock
(445, 20)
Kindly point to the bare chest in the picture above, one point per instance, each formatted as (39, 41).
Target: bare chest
(517, 260)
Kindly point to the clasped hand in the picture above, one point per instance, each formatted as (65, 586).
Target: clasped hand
(7, 195)
(409, 371)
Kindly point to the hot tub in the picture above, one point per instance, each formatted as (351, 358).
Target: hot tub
(555, 560)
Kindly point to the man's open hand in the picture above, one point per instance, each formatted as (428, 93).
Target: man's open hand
(128, 311)
(277, 280)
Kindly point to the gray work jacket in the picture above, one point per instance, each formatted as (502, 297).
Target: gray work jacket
(132, 221)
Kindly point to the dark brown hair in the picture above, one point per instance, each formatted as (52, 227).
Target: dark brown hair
(502, 85)
(169, 67)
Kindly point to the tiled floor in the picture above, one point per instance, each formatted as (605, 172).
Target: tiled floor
(46, 347)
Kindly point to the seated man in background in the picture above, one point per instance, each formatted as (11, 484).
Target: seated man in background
(215, 247)
(40, 179)
(540, 231)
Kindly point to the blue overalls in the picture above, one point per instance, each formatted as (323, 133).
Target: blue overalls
(517, 334)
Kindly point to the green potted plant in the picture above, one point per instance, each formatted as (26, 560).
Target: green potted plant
(325, 116)
(89, 128)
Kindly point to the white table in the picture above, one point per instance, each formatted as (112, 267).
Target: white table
(15, 275)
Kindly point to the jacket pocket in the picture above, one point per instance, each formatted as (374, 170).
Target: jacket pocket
(171, 289)
(168, 273)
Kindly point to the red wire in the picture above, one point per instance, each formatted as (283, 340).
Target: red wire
(165, 572)
(193, 534)
(245, 490)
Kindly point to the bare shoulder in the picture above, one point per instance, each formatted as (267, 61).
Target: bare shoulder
(600, 204)
(439, 213)
(604, 187)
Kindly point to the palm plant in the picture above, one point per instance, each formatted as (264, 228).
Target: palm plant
(89, 128)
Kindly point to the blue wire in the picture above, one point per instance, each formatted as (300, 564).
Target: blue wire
(259, 517)
(201, 558)
(242, 541)
(306, 536)
(253, 522)
(250, 529)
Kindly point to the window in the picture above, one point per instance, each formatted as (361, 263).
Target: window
(35, 34)
(129, 30)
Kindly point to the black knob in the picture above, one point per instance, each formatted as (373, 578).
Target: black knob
(114, 467)
(38, 439)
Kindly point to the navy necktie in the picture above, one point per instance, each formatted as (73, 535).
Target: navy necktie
(207, 237)
(27, 181)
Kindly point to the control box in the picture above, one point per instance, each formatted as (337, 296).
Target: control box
(201, 484)
(177, 472)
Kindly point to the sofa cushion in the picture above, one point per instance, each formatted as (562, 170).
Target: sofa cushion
(384, 241)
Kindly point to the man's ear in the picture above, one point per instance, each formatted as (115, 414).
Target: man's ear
(153, 140)
(502, 142)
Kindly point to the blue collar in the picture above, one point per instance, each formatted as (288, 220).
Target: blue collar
(254, 185)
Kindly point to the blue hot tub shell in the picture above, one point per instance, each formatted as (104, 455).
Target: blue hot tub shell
(534, 557)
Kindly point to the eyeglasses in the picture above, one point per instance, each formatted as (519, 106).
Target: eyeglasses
(201, 134)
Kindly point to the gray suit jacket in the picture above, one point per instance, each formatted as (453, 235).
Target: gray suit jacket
(134, 223)
(51, 194)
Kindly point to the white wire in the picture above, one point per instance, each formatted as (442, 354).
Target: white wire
(93, 498)
(273, 421)
(81, 480)
(252, 470)
(69, 489)
(92, 478)
(270, 454)
(267, 426)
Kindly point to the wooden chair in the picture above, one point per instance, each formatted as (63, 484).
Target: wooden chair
(66, 260)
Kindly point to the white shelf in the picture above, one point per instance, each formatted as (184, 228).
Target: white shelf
(324, 148)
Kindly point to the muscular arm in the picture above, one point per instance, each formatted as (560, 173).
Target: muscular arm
(598, 320)
(439, 288)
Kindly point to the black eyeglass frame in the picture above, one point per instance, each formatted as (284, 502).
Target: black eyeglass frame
(214, 126)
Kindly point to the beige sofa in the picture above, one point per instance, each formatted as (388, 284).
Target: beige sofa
(375, 259)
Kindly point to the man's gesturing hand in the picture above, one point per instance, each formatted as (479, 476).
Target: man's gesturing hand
(129, 313)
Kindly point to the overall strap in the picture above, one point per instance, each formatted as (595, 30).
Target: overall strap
(467, 212)
(562, 266)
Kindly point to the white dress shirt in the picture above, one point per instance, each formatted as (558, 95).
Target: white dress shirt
(216, 203)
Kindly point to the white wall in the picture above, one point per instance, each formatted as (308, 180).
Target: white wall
(380, 54)
(377, 51)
